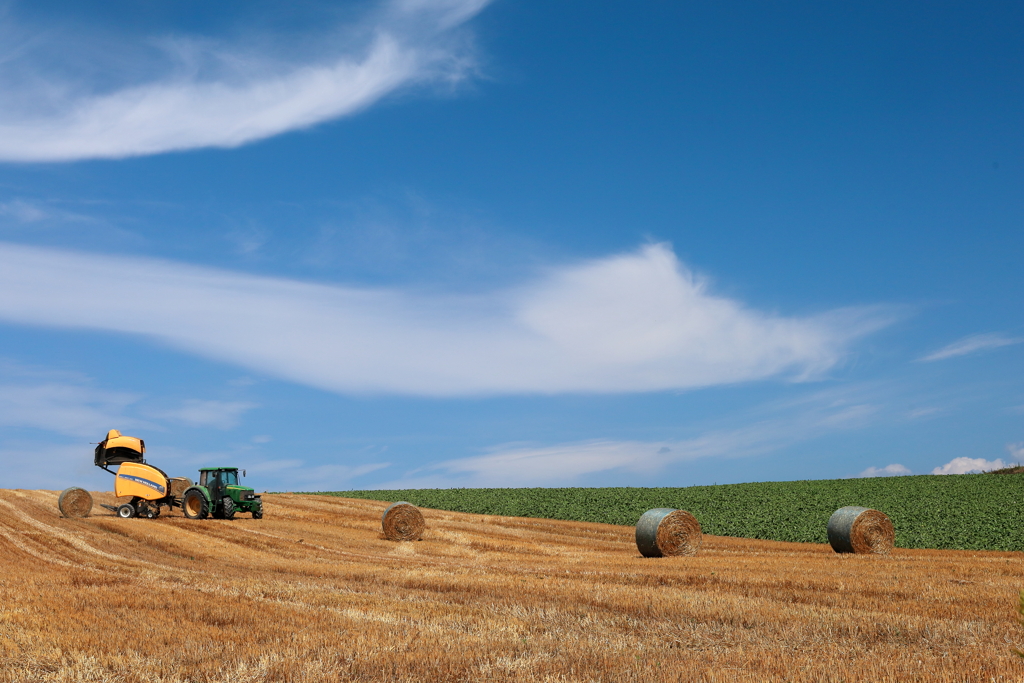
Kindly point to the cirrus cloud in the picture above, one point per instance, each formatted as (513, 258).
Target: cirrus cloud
(775, 427)
(972, 344)
(203, 93)
(206, 413)
(65, 408)
(633, 322)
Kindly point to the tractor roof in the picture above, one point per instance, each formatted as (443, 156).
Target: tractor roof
(216, 469)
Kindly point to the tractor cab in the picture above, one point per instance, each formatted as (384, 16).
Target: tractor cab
(220, 476)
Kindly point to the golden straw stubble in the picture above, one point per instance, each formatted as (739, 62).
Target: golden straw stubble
(75, 502)
(872, 532)
(402, 522)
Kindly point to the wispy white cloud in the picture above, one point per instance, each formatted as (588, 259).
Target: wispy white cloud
(297, 475)
(564, 464)
(61, 402)
(633, 322)
(37, 464)
(16, 371)
(972, 344)
(208, 94)
(1016, 451)
(967, 465)
(71, 404)
(546, 465)
(23, 212)
(894, 470)
(65, 408)
(205, 413)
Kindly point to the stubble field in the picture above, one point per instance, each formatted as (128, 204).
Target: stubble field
(312, 593)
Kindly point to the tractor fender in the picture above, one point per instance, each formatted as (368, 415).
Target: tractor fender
(196, 487)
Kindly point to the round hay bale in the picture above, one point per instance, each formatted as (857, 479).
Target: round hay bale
(402, 522)
(75, 502)
(178, 485)
(854, 529)
(667, 532)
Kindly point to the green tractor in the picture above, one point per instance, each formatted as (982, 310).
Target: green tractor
(218, 494)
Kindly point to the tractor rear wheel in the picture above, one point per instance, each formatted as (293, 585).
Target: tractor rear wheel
(194, 505)
(126, 511)
(227, 508)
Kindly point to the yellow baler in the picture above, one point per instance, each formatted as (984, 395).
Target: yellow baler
(142, 481)
(148, 487)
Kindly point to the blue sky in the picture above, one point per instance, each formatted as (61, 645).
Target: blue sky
(470, 243)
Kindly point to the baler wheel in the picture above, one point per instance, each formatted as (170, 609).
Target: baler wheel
(126, 511)
(194, 505)
(227, 508)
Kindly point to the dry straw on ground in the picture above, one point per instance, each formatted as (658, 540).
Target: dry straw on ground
(860, 530)
(667, 532)
(481, 598)
(75, 502)
(402, 522)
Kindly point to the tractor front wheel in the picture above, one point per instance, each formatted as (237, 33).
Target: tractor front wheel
(126, 511)
(227, 508)
(194, 505)
(258, 513)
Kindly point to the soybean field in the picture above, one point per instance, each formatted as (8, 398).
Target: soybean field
(952, 512)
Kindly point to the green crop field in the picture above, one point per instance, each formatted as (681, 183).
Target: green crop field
(968, 511)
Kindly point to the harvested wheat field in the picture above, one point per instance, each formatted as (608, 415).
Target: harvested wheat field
(312, 593)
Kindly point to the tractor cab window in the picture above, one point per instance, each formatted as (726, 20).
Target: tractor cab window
(205, 478)
(229, 478)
